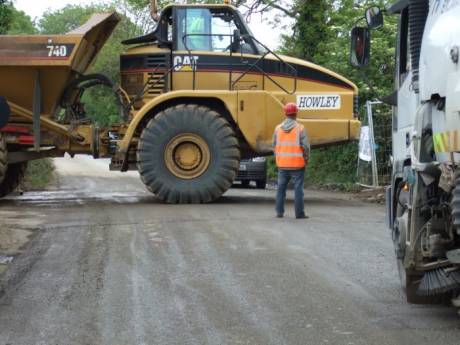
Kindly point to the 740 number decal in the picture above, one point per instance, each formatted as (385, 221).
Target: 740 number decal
(57, 51)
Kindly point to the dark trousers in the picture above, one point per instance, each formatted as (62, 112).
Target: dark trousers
(284, 176)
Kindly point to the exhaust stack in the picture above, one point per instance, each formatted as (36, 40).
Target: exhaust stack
(154, 10)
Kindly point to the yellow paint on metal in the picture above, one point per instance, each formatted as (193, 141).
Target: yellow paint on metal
(187, 156)
(448, 141)
(229, 98)
(254, 105)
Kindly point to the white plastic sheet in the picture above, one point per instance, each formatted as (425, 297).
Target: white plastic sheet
(365, 152)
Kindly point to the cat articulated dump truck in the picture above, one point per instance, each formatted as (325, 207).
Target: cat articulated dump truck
(197, 94)
(423, 200)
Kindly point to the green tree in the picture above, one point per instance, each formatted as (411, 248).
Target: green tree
(321, 34)
(309, 30)
(6, 16)
(66, 19)
(21, 24)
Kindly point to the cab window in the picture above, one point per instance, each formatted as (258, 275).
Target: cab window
(223, 27)
(206, 29)
(194, 28)
(405, 64)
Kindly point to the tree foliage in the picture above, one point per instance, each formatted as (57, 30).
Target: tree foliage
(66, 19)
(263, 6)
(21, 24)
(321, 34)
(6, 16)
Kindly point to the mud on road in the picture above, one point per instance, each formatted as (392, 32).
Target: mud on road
(109, 264)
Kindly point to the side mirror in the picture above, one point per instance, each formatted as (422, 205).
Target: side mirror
(374, 17)
(360, 47)
(236, 44)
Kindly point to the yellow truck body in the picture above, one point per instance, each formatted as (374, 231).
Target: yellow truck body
(182, 68)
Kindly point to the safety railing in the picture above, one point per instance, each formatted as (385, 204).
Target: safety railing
(268, 51)
(249, 67)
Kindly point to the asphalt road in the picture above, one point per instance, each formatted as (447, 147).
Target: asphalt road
(109, 264)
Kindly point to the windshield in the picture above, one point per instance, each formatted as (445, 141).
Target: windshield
(212, 29)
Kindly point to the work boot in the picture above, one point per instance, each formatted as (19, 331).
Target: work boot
(302, 216)
(279, 216)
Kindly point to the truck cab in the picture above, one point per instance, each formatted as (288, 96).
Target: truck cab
(423, 204)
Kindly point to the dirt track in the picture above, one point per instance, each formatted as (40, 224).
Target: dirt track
(109, 264)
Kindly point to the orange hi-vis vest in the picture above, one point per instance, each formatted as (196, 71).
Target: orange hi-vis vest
(288, 151)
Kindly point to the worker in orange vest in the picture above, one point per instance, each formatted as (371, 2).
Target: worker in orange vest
(292, 152)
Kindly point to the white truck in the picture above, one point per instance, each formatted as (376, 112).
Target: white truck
(423, 200)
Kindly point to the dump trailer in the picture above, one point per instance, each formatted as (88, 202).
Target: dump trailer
(423, 200)
(197, 94)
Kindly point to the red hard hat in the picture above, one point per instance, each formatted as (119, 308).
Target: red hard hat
(290, 109)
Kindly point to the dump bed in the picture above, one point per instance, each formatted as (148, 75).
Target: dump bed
(53, 60)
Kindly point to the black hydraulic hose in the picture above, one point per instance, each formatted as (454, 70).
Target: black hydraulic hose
(99, 79)
(85, 82)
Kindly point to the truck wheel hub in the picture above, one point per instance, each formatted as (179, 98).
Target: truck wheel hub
(187, 156)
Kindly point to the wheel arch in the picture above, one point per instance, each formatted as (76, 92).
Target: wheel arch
(224, 104)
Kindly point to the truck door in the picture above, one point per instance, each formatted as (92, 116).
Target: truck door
(205, 55)
(404, 113)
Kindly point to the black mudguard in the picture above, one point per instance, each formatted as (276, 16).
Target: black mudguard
(4, 112)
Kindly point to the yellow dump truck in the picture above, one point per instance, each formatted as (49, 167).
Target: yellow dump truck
(197, 94)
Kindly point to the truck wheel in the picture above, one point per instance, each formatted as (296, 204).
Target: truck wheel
(3, 158)
(188, 154)
(13, 177)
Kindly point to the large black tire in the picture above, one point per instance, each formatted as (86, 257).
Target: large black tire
(3, 158)
(13, 177)
(188, 137)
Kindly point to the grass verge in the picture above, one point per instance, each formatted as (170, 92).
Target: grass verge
(39, 174)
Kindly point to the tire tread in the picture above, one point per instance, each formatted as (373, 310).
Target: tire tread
(180, 117)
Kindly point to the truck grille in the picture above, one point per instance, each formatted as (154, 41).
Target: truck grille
(158, 78)
(157, 83)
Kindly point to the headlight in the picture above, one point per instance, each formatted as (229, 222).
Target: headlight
(259, 159)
